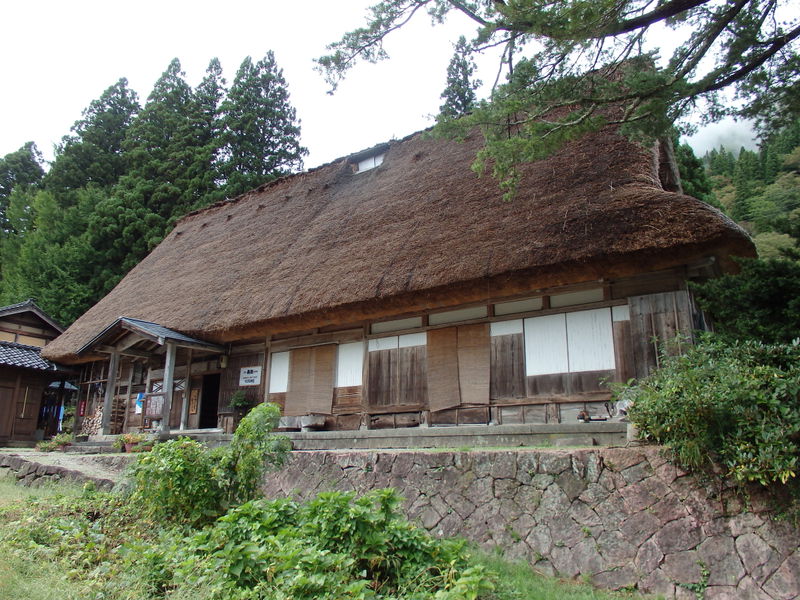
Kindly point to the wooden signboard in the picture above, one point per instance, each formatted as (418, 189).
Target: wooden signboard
(194, 398)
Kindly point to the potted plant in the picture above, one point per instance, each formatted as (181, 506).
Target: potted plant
(62, 440)
(239, 402)
(127, 441)
(144, 446)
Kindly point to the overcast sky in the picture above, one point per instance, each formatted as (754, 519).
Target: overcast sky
(59, 56)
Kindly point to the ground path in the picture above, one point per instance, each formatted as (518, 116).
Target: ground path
(30, 465)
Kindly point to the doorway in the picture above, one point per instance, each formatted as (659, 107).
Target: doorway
(209, 403)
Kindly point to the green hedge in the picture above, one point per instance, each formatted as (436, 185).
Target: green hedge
(734, 404)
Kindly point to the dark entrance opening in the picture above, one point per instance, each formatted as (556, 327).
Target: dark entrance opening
(209, 404)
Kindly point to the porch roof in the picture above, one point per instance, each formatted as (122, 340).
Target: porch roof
(114, 337)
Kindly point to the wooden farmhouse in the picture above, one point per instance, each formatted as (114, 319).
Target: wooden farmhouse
(28, 402)
(394, 289)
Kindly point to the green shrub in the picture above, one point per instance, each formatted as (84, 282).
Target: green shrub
(335, 546)
(253, 450)
(182, 481)
(734, 404)
(762, 302)
(178, 481)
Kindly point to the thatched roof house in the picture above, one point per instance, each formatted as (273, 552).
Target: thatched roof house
(344, 246)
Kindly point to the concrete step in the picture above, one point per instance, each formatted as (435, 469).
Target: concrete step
(605, 433)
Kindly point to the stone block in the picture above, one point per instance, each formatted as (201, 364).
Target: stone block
(785, 582)
(658, 582)
(720, 557)
(682, 567)
(637, 472)
(615, 549)
(504, 466)
(648, 558)
(572, 485)
(619, 459)
(639, 527)
(554, 463)
(527, 463)
(677, 536)
(755, 553)
(615, 579)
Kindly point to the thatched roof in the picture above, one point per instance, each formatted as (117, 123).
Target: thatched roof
(420, 225)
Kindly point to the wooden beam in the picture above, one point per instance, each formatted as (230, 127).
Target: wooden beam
(169, 375)
(108, 401)
(124, 352)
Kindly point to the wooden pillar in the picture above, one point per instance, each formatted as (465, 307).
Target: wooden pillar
(187, 392)
(169, 376)
(128, 398)
(108, 401)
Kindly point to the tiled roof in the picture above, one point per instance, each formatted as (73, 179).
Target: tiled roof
(19, 355)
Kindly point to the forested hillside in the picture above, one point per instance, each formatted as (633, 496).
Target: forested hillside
(761, 189)
(126, 172)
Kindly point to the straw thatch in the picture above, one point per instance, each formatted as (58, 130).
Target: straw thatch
(333, 246)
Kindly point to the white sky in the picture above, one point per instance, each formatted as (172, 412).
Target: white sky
(59, 56)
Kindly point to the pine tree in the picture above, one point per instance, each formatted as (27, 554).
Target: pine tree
(18, 170)
(747, 181)
(161, 148)
(206, 170)
(459, 95)
(694, 179)
(93, 154)
(261, 129)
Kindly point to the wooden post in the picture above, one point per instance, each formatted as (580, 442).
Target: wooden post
(187, 392)
(128, 398)
(108, 401)
(169, 375)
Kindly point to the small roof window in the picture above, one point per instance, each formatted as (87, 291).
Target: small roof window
(370, 162)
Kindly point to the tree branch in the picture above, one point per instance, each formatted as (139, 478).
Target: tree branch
(776, 45)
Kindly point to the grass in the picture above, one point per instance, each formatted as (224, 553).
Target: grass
(517, 581)
(24, 579)
(11, 493)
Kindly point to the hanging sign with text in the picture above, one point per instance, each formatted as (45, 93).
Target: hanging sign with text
(250, 376)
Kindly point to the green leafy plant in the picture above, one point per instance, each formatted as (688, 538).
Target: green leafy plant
(732, 404)
(177, 481)
(62, 439)
(46, 446)
(253, 450)
(182, 481)
(334, 546)
(239, 400)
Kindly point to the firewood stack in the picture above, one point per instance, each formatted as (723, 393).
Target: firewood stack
(91, 424)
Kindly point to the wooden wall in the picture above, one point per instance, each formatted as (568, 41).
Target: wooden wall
(20, 399)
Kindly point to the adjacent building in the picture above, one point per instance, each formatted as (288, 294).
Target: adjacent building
(32, 389)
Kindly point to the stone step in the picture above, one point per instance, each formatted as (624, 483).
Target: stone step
(90, 448)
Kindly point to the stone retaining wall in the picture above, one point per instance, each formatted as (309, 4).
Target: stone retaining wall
(34, 474)
(623, 517)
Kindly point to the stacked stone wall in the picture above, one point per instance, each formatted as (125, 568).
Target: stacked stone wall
(623, 517)
(34, 474)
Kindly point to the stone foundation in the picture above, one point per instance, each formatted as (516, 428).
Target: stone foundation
(623, 517)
